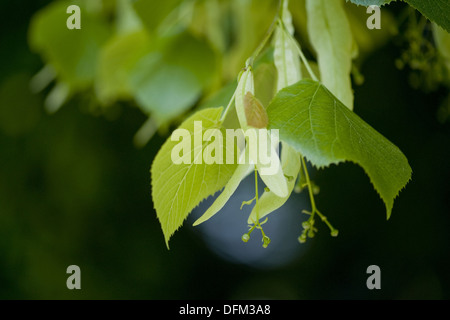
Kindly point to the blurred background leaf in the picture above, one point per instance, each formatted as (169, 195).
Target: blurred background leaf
(73, 55)
(166, 83)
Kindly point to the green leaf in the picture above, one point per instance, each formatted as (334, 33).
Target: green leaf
(314, 122)
(435, 10)
(241, 172)
(265, 76)
(367, 3)
(251, 20)
(330, 35)
(117, 59)
(269, 201)
(255, 113)
(209, 22)
(367, 40)
(166, 82)
(152, 13)
(271, 173)
(219, 98)
(286, 58)
(179, 188)
(73, 54)
(127, 20)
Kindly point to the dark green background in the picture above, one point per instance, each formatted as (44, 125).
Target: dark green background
(74, 190)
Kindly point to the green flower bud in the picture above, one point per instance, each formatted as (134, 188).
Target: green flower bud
(266, 241)
(315, 190)
(302, 238)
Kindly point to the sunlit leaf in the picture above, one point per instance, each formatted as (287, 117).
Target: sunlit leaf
(435, 10)
(286, 58)
(179, 188)
(239, 174)
(315, 123)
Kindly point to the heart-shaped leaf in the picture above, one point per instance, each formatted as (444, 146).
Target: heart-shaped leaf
(314, 122)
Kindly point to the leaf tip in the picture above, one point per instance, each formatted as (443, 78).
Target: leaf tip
(167, 238)
(388, 213)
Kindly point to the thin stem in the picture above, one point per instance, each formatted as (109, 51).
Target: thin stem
(309, 229)
(257, 224)
(300, 52)
(324, 219)
(261, 46)
(224, 114)
(308, 182)
(257, 52)
(256, 196)
(305, 61)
